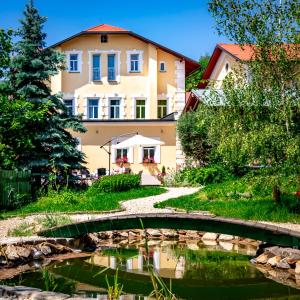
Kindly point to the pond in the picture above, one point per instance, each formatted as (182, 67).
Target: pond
(191, 270)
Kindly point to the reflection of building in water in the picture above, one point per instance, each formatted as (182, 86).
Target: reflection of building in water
(164, 262)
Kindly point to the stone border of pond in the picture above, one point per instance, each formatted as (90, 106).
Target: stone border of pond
(29, 293)
(279, 264)
(272, 234)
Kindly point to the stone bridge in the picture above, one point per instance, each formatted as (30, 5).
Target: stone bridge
(255, 230)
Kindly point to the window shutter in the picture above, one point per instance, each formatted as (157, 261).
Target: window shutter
(85, 114)
(157, 154)
(130, 155)
(141, 150)
(113, 151)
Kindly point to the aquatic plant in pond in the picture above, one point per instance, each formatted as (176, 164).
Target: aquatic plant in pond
(209, 271)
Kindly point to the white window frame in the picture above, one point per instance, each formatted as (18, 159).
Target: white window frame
(140, 53)
(73, 106)
(165, 65)
(149, 148)
(158, 106)
(100, 66)
(102, 53)
(79, 60)
(115, 67)
(157, 152)
(88, 108)
(135, 108)
(110, 106)
(130, 153)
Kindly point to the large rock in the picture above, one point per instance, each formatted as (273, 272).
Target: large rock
(210, 236)
(11, 252)
(283, 264)
(226, 245)
(283, 252)
(171, 234)
(263, 258)
(226, 237)
(46, 250)
(154, 233)
(297, 269)
(273, 261)
(37, 254)
(23, 252)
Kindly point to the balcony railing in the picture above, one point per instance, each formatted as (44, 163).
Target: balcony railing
(111, 74)
(96, 74)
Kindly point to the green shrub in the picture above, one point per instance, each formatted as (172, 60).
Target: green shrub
(202, 176)
(115, 183)
(291, 202)
(64, 197)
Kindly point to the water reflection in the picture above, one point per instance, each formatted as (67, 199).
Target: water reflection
(194, 269)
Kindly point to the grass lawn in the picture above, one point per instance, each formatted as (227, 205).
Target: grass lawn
(223, 199)
(71, 202)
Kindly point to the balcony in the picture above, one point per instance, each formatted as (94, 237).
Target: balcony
(96, 74)
(111, 74)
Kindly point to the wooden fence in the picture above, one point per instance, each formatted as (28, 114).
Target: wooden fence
(15, 188)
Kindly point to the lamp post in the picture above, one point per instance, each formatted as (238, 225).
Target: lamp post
(109, 147)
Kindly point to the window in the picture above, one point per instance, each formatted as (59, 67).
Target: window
(93, 108)
(104, 38)
(73, 67)
(122, 155)
(227, 67)
(111, 72)
(69, 106)
(134, 63)
(162, 66)
(140, 109)
(149, 153)
(115, 109)
(96, 67)
(161, 108)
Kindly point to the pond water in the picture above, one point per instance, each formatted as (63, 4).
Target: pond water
(192, 271)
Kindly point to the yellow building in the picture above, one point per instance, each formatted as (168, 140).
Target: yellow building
(123, 83)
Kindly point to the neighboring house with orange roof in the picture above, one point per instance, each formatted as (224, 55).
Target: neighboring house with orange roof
(225, 58)
(122, 83)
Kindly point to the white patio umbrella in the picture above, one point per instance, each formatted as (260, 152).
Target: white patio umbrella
(137, 141)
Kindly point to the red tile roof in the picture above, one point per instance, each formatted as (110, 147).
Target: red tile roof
(243, 53)
(105, 28)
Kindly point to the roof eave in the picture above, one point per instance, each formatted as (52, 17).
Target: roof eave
(195, 64)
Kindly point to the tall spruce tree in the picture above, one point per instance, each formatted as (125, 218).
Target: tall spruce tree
(33, 65)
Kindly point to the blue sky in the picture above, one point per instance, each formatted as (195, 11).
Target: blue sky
(182, 25)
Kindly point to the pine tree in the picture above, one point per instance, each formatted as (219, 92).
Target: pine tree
(55, 150)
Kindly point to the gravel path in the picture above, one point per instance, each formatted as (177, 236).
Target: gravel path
(141, 205)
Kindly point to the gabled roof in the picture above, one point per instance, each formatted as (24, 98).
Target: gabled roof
(243, 53)
(190, 64)
(105, 28)
(238, 52)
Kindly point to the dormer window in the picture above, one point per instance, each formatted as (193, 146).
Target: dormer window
(104, 38)
(162, 66)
